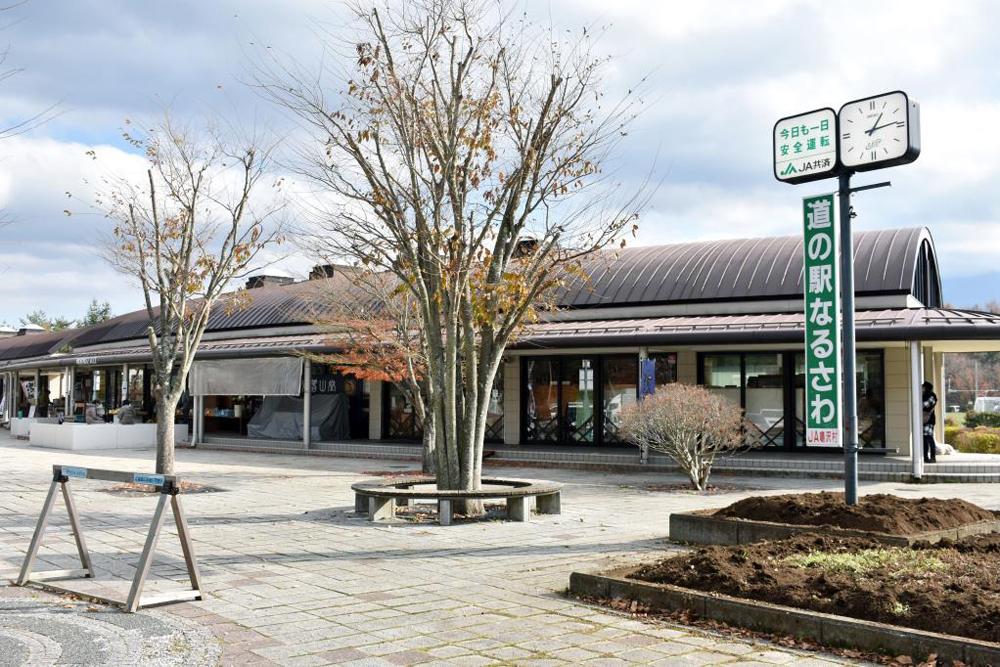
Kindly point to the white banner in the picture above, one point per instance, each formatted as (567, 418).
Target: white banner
(263, 376)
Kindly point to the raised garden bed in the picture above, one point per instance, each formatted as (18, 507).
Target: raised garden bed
(856, 592)
(886, 518)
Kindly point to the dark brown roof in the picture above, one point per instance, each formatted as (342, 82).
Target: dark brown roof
(887, 262)
(32, 345)
(871, 325)
(741, 269)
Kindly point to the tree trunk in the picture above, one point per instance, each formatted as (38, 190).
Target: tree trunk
(165, 409)
(429, 464)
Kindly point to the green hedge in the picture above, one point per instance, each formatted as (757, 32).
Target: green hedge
(979, 441)
(974, 419)
(951, 434)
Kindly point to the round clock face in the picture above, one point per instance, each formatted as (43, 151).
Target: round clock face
(874, 130)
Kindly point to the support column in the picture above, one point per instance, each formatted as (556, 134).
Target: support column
(124, 387)
(198, 430)
(307, 403)
(942, 392)
(916, 410)
(643, 356)
(71, 393)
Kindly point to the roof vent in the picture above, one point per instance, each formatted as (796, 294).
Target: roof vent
(526, 247)
(327, 270)
(254, 282)
(29, 329)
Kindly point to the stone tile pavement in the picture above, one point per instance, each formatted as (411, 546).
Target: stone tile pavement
(295, 578)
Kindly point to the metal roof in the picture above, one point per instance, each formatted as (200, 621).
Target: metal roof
(899, 324)
(871, 325)
(740, 269)
(737, 270)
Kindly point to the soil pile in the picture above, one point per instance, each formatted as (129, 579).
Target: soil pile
(879, 513)
(942, 587)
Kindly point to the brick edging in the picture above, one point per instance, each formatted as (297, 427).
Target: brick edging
(699, 527)
(827, 629)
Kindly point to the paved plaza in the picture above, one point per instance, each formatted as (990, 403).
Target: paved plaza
(294, 577)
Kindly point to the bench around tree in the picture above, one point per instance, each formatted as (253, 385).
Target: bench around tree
(379, 499)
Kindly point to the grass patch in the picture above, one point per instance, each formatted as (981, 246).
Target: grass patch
(897, 562)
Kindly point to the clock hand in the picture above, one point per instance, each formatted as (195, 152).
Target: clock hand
(875, 126)
(880, 127)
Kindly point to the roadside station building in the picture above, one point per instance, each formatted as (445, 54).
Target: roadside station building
(724, 314)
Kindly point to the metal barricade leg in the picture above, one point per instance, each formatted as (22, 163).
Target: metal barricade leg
(146, 560)
(74, 520)
(36, 539)
(186, 544)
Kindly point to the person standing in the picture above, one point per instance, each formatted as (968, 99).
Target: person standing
(930, 420)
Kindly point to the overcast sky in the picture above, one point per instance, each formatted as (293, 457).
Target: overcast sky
(719, 75)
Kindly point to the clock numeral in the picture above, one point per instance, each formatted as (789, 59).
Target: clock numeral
(846, 135)
(900, 123)
(871, 105)
(874, 154)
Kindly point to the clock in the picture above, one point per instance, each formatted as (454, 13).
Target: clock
(880, 131)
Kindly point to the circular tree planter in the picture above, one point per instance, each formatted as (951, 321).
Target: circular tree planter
(379, 499)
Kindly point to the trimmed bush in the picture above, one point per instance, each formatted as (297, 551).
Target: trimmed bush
(975, 419)
(690, 424)
(951, 434)
(979, 441)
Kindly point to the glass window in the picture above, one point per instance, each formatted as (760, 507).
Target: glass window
(542, 401)
(577, 401)
(494, 413)
(871, 399)
(621, 376)
(666, 367)
(723, 375)
(800, 399)
(402, 418)
(765, 397)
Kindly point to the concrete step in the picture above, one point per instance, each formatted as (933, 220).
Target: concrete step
(886, 471)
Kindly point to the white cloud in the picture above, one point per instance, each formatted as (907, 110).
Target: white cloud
(720, 74)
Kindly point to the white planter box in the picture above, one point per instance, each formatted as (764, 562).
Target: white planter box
(20, 427)
(75, 436)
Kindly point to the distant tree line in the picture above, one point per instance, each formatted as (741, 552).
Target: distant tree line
(97, 312)
(967, 372)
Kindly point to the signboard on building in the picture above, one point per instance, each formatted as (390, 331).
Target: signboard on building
(821, 283)
(805, 146)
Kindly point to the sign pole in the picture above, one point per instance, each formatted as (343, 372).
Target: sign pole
(850, 356)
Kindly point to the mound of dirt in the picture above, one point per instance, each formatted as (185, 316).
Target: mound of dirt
(941, 587)
(878, 513)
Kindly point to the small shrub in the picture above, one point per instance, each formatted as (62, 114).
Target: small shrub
(979, 441)
(689, 424)
(951, 434)
(975, 419)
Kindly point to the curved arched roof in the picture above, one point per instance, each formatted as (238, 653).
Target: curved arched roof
(885, 262)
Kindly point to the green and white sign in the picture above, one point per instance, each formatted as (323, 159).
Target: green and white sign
(821, 283)
(805, 146)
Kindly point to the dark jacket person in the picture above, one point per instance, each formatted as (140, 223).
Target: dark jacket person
(930, 402)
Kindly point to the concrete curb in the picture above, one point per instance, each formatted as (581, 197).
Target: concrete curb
(827, 629)
(701, 527)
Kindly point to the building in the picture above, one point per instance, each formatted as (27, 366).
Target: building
(724, 314)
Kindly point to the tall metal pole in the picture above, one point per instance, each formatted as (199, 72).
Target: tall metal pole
(848, 342)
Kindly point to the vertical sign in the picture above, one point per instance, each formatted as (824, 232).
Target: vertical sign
(821, 282)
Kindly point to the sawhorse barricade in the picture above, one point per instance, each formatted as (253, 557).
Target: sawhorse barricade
(169, 486)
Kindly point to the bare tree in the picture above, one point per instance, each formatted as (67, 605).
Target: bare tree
(185, 232)
(689, 424)
(463, 153)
